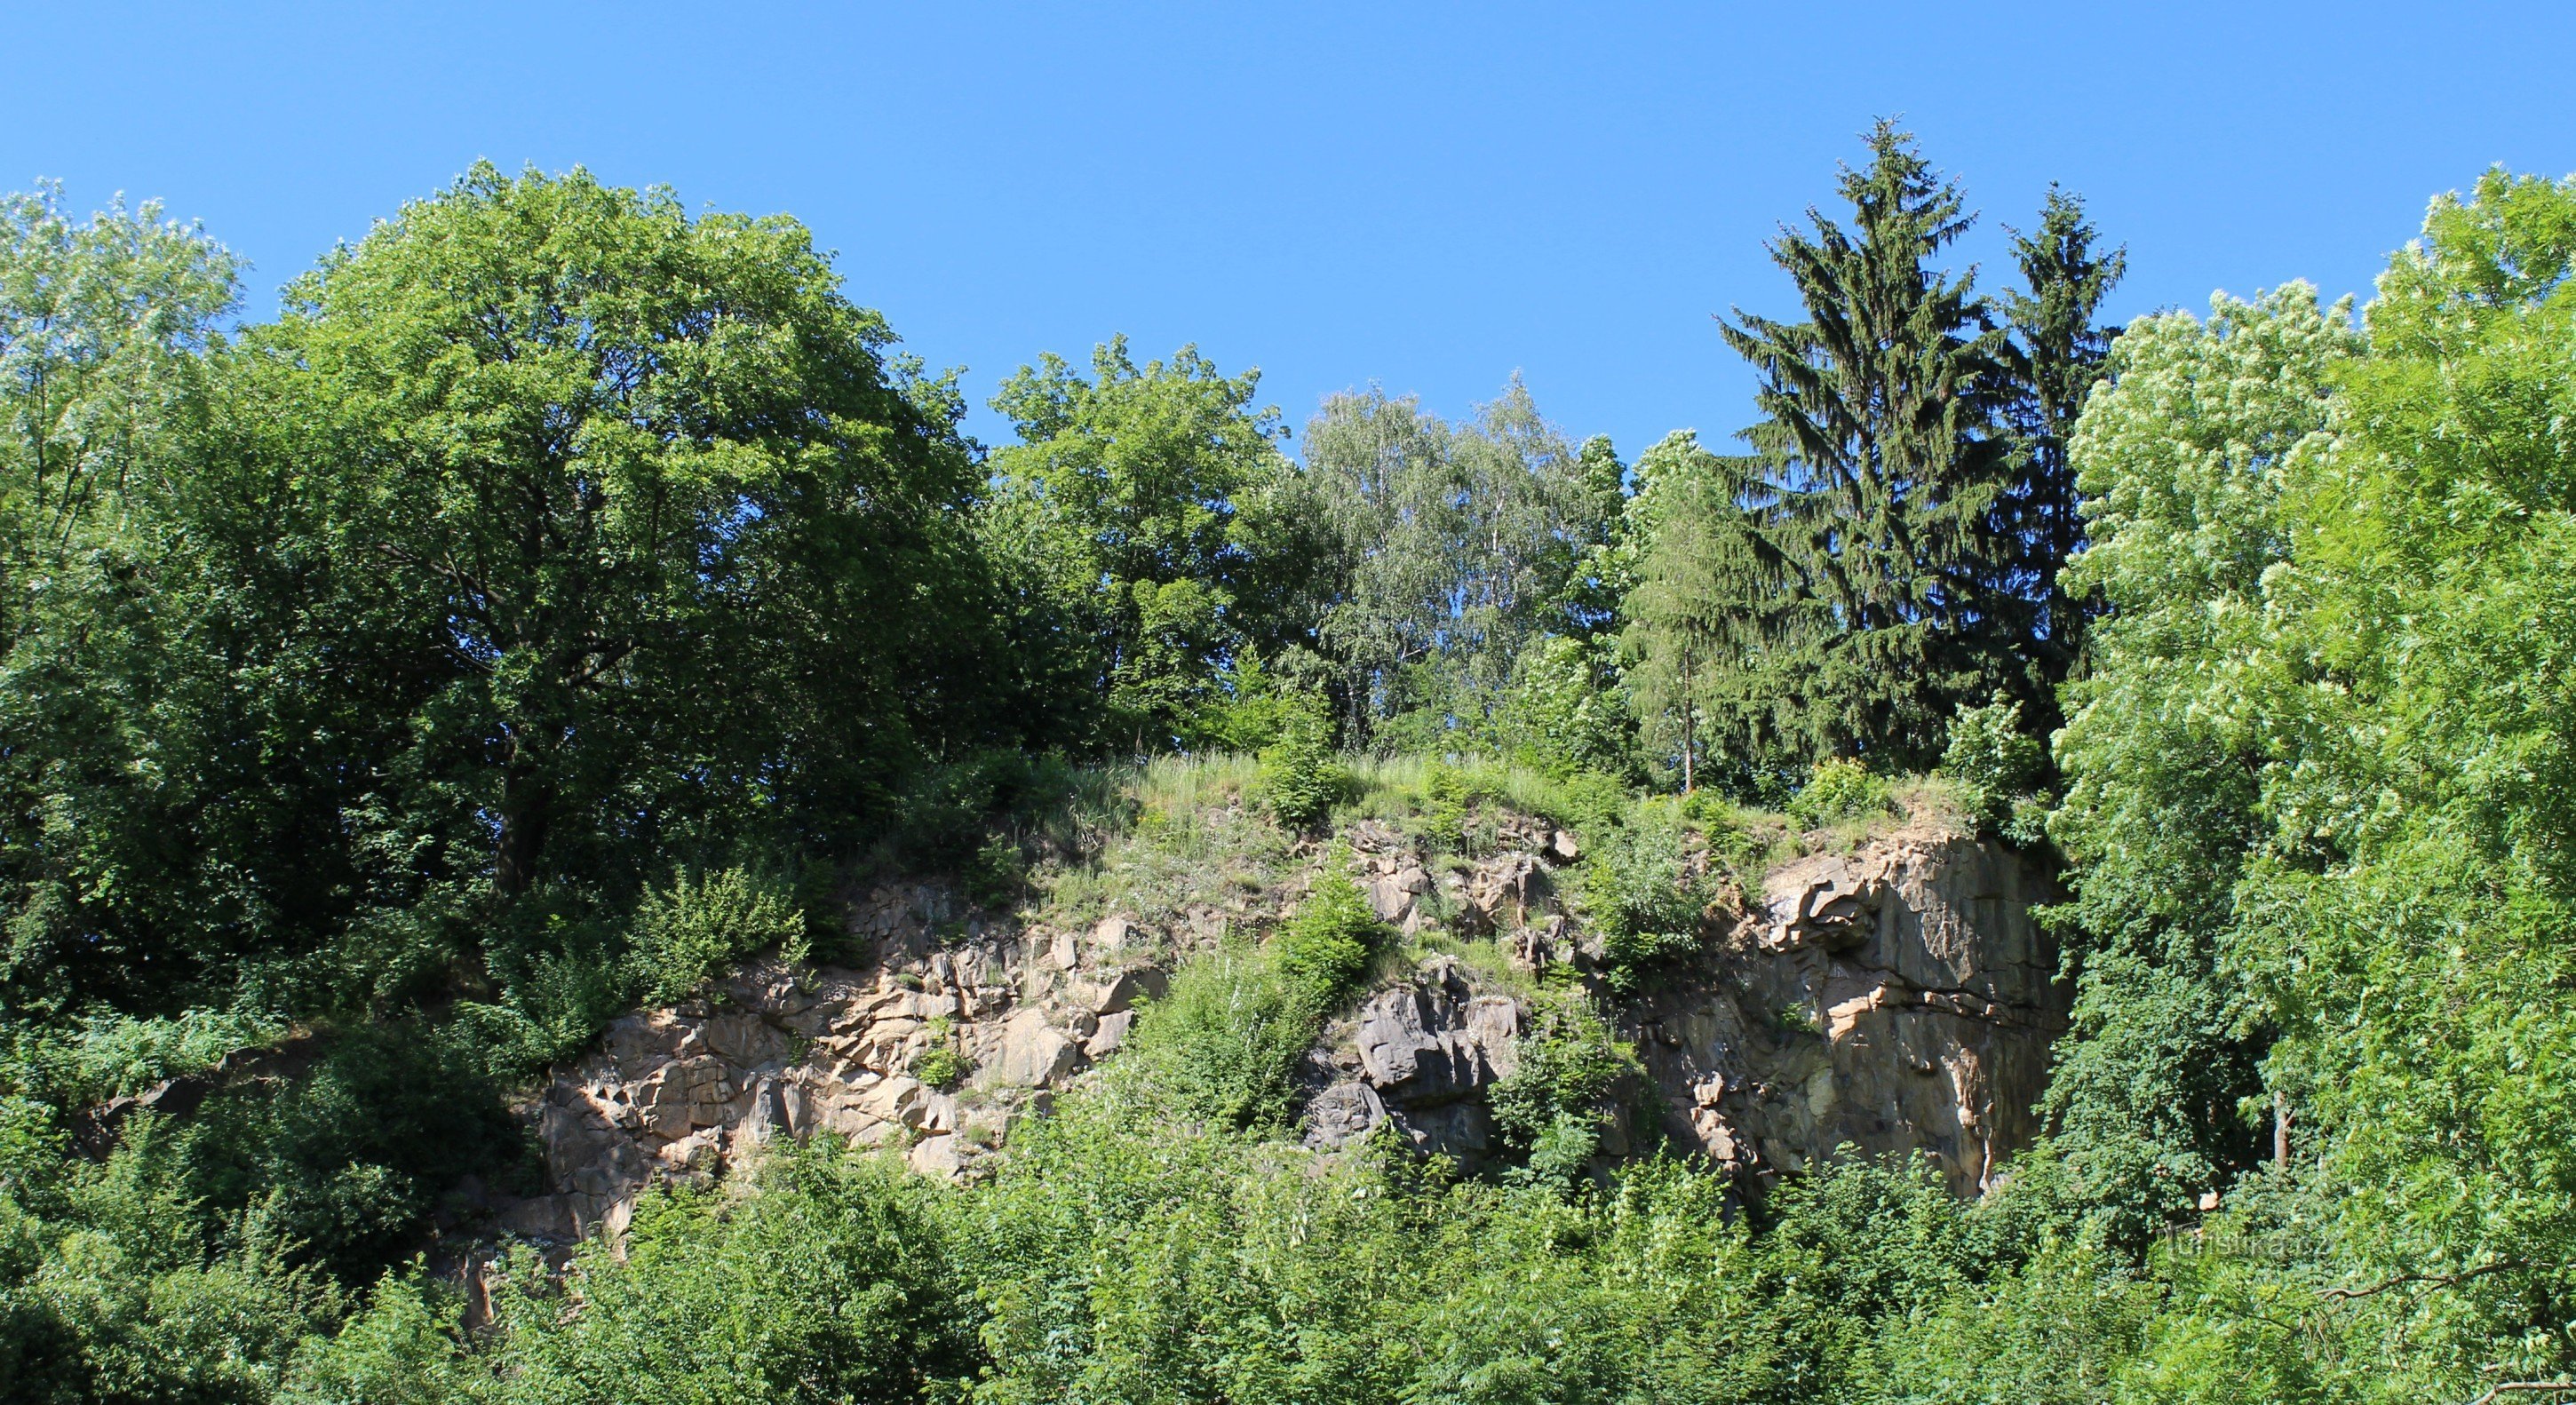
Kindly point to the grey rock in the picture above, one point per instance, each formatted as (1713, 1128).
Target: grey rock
(1342, 1114)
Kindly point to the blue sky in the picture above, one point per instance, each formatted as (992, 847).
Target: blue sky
(1430, 196)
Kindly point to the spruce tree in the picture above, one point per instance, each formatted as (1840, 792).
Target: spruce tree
(2061, 354)
(1882, 463)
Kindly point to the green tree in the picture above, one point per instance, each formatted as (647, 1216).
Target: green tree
(2406, 924)
(1691, 562)
(1455, 547)
(1882, 459)
(100, 326)
(2183, 461)
(122, 781)
(646, 485)
(1127, 485)
(2062, 355)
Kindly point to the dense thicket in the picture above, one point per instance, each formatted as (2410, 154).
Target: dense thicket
(565, 596)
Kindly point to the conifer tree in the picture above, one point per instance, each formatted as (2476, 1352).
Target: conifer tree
(2062, 354)
(1882, 462)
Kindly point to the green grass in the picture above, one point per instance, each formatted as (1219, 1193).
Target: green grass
(1151, 842)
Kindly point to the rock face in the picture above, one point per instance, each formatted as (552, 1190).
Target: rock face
(683, 1094)
(1420, 1055)
(1897, 998)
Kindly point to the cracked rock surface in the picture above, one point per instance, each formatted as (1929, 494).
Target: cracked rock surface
(1897, 998)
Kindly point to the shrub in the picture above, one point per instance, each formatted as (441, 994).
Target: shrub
(997, 872)
(347, 1161)
(832, 1282)
(1325, 951)
(1839, 790)
(1566, 712)
(1999, 769)
(1224, 1044)
(1299, 780)
(1557, 1099)
(559, 986)
(941, 1066)
(689, 932)
(1644, 895)
(123, 1054)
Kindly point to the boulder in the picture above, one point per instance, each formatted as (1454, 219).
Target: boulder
(1426, 1042)
(1110, 1034)
(1342, 1114)
(936, 1156)
(1034, 1053)
(1121, 991)
(1113, 934)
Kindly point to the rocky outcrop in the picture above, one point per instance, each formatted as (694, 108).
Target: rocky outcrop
(1897, 998)
(684, 1093)
(1419, 1054)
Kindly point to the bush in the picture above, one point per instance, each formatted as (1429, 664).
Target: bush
(1224, 1044)
(1326, 949)
(348, 1161)
(1565, 712)
(1299, 780)
(1644, 895)
(941, 1066)
(1838, 790)
(559, 986)
(997, 873)
(1557, 1099)
(2000, 770)
(832, 1282)
(688, 933)
(122, 1054)
(406, 1348)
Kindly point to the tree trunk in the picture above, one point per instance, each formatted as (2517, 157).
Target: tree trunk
(526, 806)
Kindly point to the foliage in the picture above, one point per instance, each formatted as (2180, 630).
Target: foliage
(2000, 770)
(1223, 1045)
(2062, 355)
(343, 1164)
(1326, 950)
(1838, 790)
(1125, 488)
(689, 932)
(1566, 712)
(1888, 549)
(1643, 888)
(2184, 459)
(1450, 549)
(941, 1066)
(1556, 1100)
(404, 686)
(1857, 558)
(833, 1282)
(118, 1301)
(1191, 1265)
(1300, 781)
(405, 1347)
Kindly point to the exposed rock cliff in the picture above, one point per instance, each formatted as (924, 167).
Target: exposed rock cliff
(1899, 998)
(1895, 997)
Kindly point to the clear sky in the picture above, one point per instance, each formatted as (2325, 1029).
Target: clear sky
(1430, 196)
